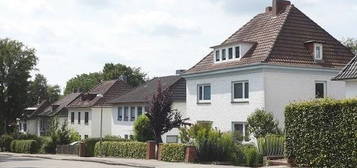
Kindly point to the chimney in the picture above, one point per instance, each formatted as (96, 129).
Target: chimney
(268, 9)
(279, 6)
(180, 71)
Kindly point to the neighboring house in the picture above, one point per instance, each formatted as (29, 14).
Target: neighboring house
(37, 118)
(90, 114)
(349, 75)
(278, 57)
(31, 122)
(128, 107)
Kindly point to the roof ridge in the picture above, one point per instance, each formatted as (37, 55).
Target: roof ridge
(290, 7)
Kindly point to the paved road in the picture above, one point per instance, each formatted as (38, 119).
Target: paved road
(28, 162)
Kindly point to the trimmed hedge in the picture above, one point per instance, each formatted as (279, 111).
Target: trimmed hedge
(322, 133)
(136, 150)
(271, 145)
(172, 152)
(25, 146)
(5, 142)
(90, 143)
(246, 155)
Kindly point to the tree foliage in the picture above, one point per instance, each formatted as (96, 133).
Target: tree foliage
(142, 129)
(39, 91)
(351, 43)
(16, 63)
(84, 82)
(162, 117)
(262, 123)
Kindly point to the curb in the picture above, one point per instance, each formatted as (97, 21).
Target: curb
(80, 160)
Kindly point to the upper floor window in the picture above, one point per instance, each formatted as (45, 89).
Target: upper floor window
(79, 117)
(86, 117)
(204, 93)
(72, 117)
(227, 54)
(120, 114)
(126, 113)
(320, 89)
(240, 91)
(318, 51)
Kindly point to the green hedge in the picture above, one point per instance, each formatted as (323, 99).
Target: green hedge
(246, 155)
(271, 145)
(135, 150)
(172, 152)
(90, 143)
(322, 133)
(25, 146)
(5, 142)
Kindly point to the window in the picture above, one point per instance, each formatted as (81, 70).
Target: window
(230, 53)
(318, 51)
(126, 136)
(223, 54)
(86, 117)
(126, 115)
(171, 139)
(140, 111)
(237, 51)
(42, 124)
(240, 130)
(204, 93)
(120, 113)
(217, 56)
(85, 136)
(320, 90)
(79, 117)
(25, 126)
(72, 117)
(132, 113)
(240, 91)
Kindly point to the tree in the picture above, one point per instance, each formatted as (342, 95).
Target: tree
(351, 43)
(16, 63)
(162, 117)
(39, 91)
(262, 123)
(134, 75)
(84, 82)
(142, 129)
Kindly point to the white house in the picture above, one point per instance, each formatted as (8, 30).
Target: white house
(278, 57)
(349, 75)
(128, 107)
(91, 114)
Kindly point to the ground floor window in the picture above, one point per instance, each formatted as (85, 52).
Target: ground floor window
(171, 139)
(126, 113)
(320, 89)
(240, 131)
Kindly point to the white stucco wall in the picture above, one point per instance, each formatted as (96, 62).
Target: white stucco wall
(221, 110)
(286, 86)
(351, 89)
(106, 122)
(33, 127)
(82, 128)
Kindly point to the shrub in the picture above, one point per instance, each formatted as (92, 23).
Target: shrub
(211, 144)
(262, 123)
(271, 145)
(143, 130)
(246, 155)
(47, 145)
(90, 143)
(322, 133)
(135, 150)
(74, 136)
(25, 146)
(5, 142)
(172, 152)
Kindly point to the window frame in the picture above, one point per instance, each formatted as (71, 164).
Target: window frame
(324, 87)
(316, 56)
(217, 55)
(120, 115)
(202, 101)
(245, 125)
(141, 111)
(243, 99)
(86, 118)
(132, 113)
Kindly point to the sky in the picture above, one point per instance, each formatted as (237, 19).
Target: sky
(79, 36)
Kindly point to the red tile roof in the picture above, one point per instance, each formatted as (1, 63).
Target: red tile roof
(280, 40)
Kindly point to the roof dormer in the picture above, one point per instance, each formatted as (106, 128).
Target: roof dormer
(315, 48)
(230, 52)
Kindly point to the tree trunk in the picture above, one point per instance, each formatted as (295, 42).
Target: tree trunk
(158, 140)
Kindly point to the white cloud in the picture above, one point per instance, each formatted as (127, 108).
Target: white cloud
(78, 36)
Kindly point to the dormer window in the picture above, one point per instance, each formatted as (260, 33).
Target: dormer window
(229, 53)
(318, 51)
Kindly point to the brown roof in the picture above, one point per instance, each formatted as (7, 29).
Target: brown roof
(349, 71)
(280, 40)
(39, 108)
(145, 92)
(109, 89)
(59, 105)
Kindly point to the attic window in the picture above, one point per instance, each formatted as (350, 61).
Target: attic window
(229, 53)
(318, 51)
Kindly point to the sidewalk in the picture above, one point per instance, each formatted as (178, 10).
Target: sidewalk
(119, 161)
